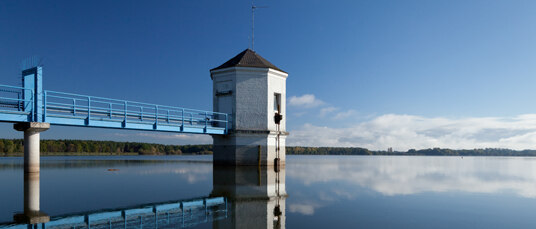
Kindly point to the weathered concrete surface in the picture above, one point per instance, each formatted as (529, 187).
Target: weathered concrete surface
(239, 149)
(34, 126)
(31, 217)
(31, 143)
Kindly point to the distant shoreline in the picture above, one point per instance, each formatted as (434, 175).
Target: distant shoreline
(14, 148)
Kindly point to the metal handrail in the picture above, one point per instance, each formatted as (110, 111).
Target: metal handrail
(128, 101)
(60, 106)
(81, 106)
(27, 104)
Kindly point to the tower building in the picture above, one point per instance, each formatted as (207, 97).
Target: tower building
(253, 91)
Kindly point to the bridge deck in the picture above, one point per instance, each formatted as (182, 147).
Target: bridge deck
(17, 104)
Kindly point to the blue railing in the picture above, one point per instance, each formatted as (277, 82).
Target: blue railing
(74, 109)
(14, 107)
(179, 214)
(17, 104)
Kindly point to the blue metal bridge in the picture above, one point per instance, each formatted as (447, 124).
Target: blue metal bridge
(30, 103)
(176, 214)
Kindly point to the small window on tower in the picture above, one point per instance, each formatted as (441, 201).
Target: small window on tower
(277, 102)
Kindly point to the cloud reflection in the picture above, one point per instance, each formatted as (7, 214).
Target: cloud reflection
(392, 176)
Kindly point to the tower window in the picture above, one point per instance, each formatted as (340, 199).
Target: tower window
(277, 102)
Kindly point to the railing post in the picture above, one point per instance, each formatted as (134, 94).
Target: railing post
(141, 113)
(206, 121)
(226, 122)
(156, 114)
(18, 101)
(33, 107)
(74, 107)
(88, 109)
(182, 119)
(206, 210)
(168, 116)
(156, 117)
(45, 106)
(125, 118)
(110, 104)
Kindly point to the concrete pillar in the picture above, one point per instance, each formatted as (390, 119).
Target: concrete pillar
(31, 143)
(31, 151)
(32, 213)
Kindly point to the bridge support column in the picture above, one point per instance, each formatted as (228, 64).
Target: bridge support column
(32, 213)
(32, 132)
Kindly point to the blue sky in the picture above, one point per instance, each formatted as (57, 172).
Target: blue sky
(378, 74)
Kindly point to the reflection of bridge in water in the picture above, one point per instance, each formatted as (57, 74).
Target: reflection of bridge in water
(241, 197)
(174, 214)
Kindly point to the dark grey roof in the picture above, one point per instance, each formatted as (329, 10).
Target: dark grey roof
(248, 58)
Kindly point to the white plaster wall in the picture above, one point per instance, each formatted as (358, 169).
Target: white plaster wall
(277, 84)
(220, 82)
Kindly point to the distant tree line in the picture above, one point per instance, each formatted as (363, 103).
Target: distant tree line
(327, 150)
(86, 147)
(15, 146)
(423, 152)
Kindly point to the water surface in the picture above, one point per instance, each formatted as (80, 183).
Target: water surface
(311, 192)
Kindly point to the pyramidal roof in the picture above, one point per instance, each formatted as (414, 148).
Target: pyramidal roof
(248, 58)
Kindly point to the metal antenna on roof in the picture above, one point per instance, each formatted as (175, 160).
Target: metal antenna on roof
(253, 7)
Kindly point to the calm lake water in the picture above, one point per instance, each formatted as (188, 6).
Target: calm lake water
(311, 192)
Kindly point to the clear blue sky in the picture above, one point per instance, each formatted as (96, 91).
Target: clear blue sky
(363, 61)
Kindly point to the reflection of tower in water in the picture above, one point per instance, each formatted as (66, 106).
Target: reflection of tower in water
(256, 196)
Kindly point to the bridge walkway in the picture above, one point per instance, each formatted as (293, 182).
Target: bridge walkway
(20, 104)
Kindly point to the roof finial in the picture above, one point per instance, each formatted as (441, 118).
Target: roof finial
(253, 7)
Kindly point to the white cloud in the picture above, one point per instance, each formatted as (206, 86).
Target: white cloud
(304, 101)
(326, 110)
(304, 209)
(345, 114)
(403, 132)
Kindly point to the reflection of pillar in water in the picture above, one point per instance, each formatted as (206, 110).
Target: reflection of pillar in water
(31, 192)
(257, 196)
(32, 213)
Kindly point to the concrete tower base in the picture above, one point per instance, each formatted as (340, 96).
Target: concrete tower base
(248, 148)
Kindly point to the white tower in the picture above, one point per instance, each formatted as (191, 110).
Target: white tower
(252, 90)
